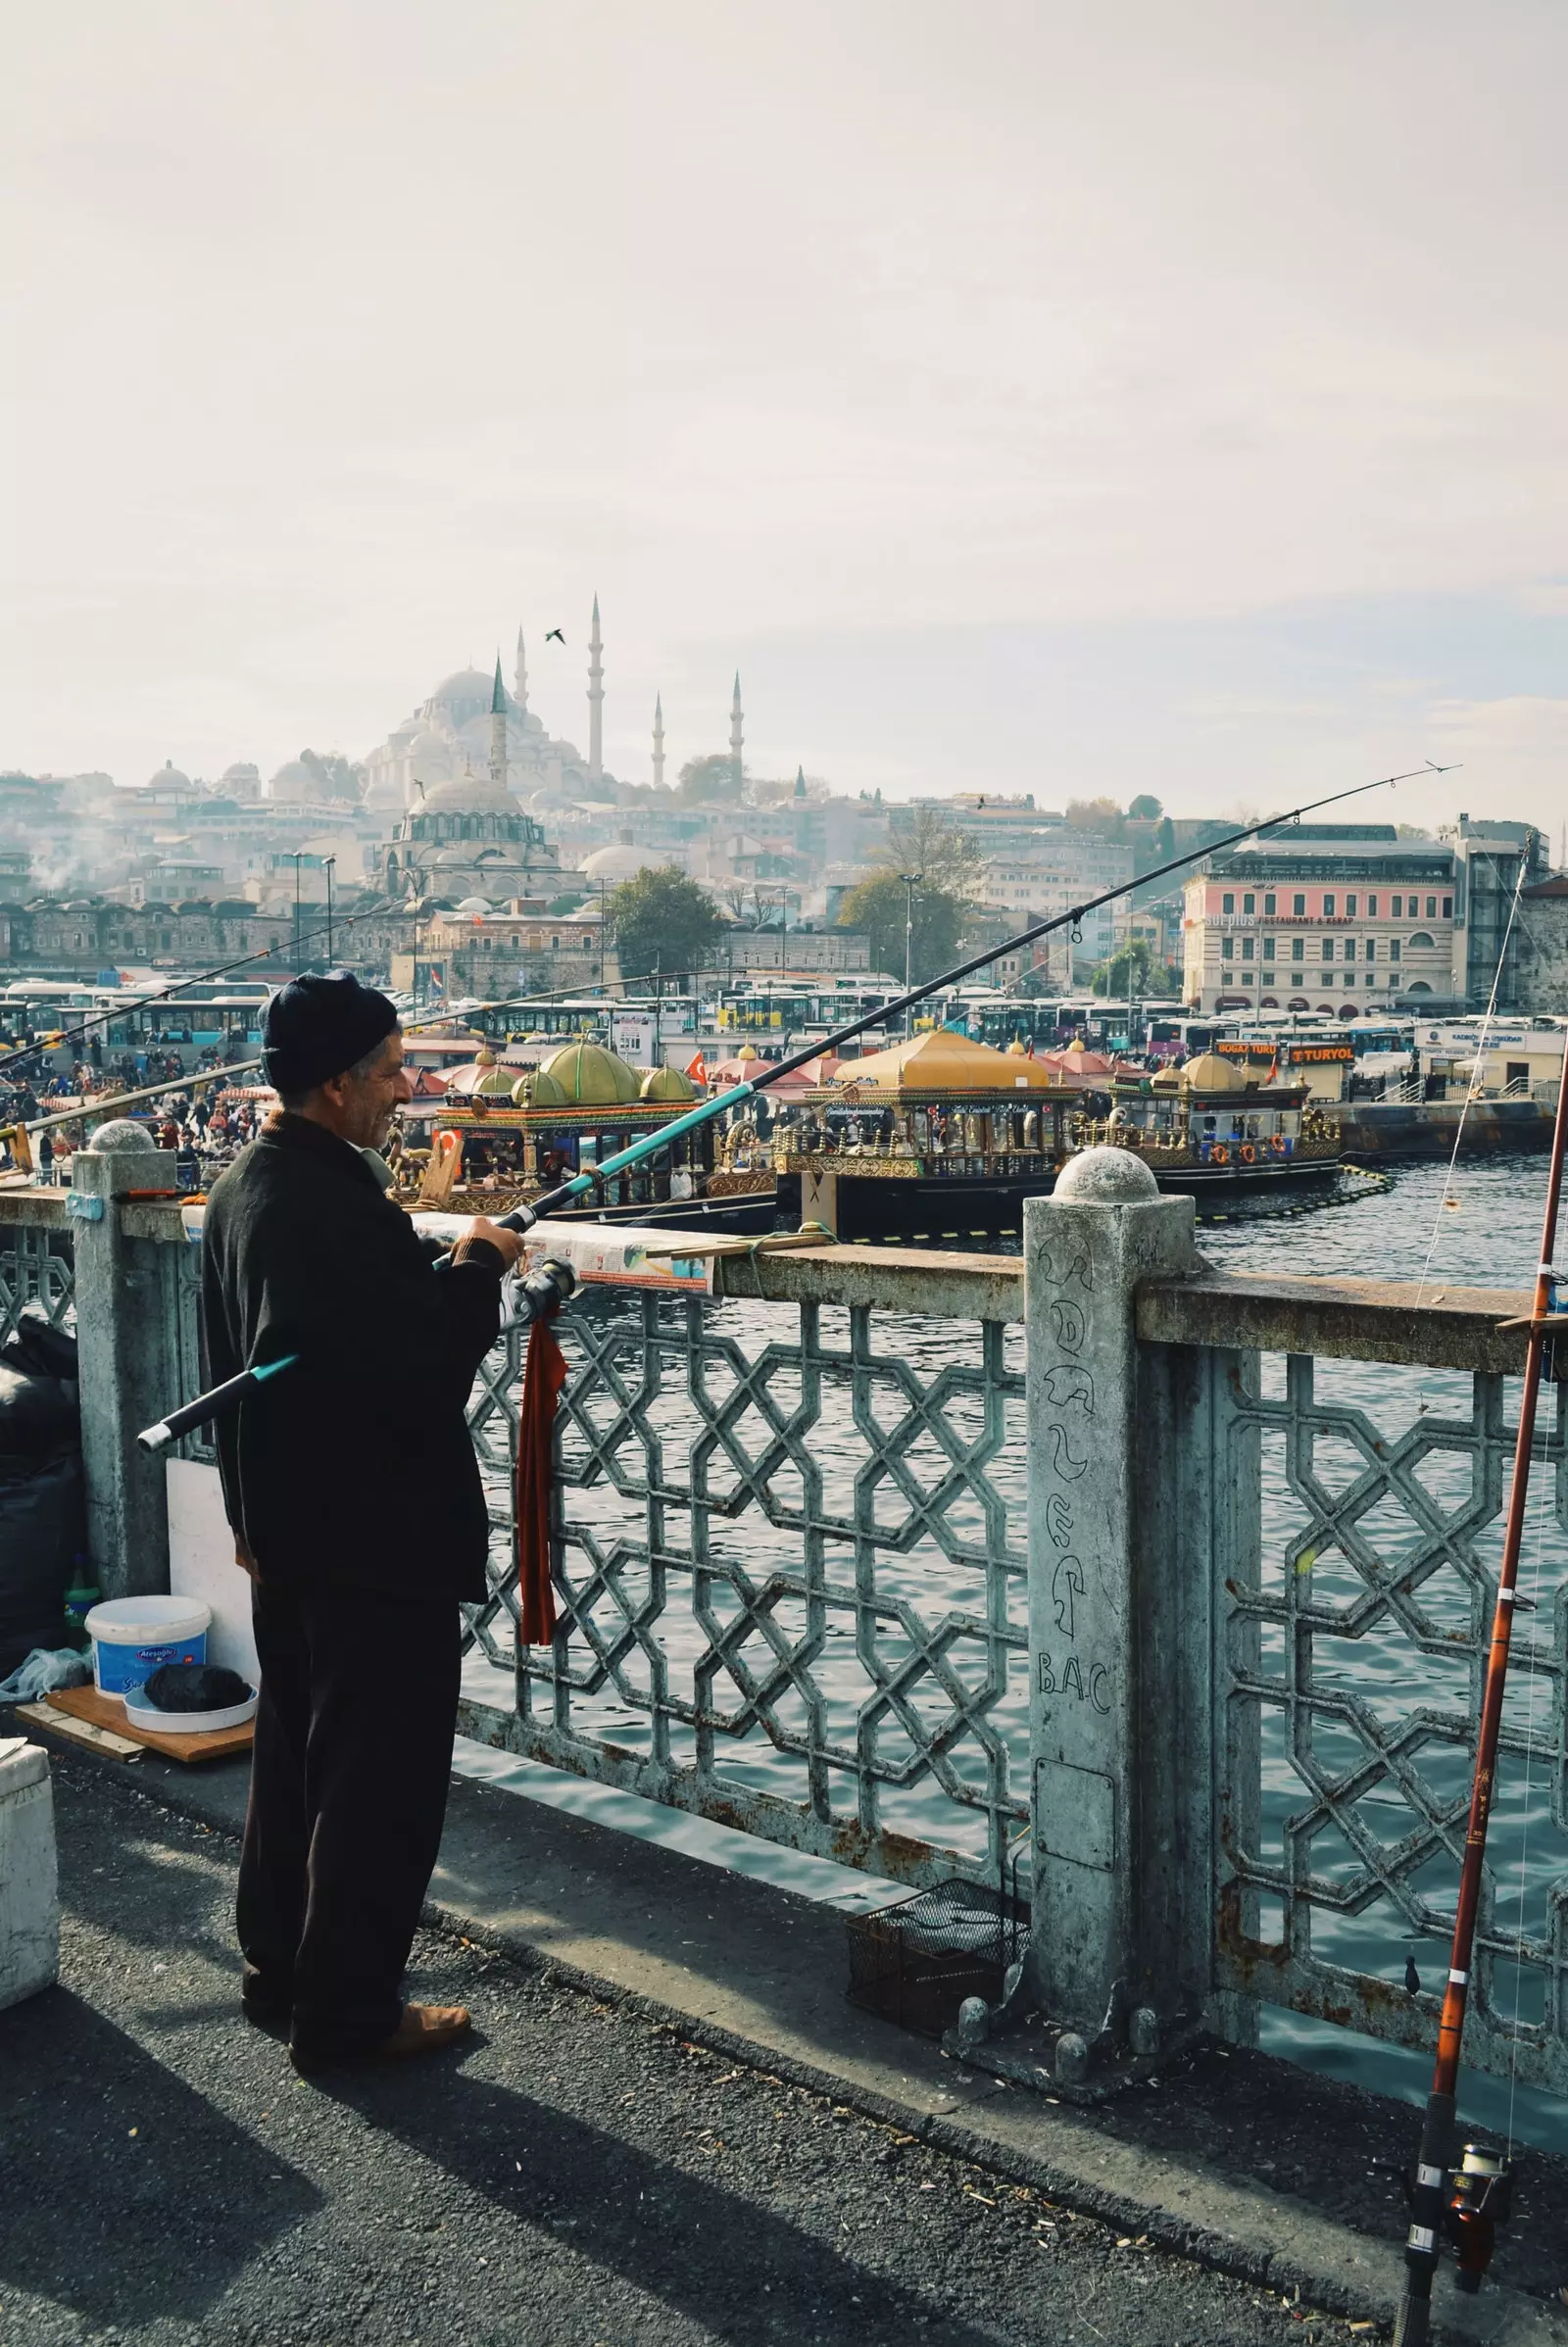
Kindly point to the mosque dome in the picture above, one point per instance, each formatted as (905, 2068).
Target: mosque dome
(1211, 1073)
(468, 795)
(617, 862)
(167, 774)
(666, 1084)
(427, 745)
(463, 695)
(294, 779)
(587, 1072)
(470, 903)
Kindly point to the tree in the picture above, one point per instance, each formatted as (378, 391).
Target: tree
(1149, 975)
(879, 905)
(920, 840)
(1096, 814)
(661, 919)
(709, 782)
(1146, 807)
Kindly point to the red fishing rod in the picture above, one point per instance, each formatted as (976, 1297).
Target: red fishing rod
(1470, 2202)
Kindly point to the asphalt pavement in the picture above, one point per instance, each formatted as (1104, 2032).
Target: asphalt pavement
(579, 2176)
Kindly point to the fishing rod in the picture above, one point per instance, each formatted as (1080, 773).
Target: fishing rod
(1469, 2201)
(208, 1406)
(111, 1103)
(170, 994)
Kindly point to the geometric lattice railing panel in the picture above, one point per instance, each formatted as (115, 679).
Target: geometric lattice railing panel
(1353, 1656)
(37, 1268)
(789, 1568)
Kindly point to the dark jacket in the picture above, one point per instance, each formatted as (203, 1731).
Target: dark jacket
(354, 1468)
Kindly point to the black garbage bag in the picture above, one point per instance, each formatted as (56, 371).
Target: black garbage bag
(194, 1687)
(40, 1408)
(38, 1349)
(39, 1417)
(43, 1530)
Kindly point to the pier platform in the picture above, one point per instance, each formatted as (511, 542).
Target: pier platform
(669, 2128)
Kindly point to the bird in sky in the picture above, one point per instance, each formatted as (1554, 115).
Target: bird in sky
(554, 636)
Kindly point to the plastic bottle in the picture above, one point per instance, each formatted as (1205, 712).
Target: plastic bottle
(80, 1598)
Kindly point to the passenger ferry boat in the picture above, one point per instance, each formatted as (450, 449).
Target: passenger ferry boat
(944, 1136)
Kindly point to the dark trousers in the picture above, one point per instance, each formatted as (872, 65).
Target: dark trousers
(349, 1778)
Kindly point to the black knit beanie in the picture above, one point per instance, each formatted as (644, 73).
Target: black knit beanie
(314, 1028)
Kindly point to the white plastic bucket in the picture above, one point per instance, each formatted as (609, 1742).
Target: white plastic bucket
(133, 1636)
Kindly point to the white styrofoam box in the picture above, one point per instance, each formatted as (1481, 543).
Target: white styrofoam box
(201, 1564)
(29, 1884)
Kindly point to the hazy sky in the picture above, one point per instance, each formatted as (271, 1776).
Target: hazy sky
(1023, 397)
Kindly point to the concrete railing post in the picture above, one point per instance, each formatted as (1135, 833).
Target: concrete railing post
(1098, 1728)
(125, 1362)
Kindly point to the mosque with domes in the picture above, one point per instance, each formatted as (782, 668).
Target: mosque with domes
(451, 734)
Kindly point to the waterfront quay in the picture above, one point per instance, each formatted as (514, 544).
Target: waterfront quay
(878, 1569)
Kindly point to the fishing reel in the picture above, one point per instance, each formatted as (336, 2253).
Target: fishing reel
(1480, 2199)
(541, 1292)
(1477, 2201)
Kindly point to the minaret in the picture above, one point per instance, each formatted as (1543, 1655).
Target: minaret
(659, 741)
(735, 734)
(519, 679)
(498, 730)
(595, 700)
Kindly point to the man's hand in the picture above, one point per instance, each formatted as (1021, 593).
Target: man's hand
(509, 1243)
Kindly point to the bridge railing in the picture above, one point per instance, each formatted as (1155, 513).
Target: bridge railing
(893, 1556)
(789, 1557)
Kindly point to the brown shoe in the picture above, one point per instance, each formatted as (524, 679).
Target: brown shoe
(424, 2030)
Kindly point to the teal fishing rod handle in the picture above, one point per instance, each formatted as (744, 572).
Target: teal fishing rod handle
(524, 1218)
(217, 1403)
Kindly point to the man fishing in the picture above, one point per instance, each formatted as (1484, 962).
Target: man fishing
(354, 1493)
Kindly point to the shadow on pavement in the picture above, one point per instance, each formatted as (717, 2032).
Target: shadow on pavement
(685, 2241)
(124, 2228)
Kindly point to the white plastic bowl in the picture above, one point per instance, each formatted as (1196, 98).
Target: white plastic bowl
(143, 1714)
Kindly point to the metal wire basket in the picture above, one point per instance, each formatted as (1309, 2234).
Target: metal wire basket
(915, 1961)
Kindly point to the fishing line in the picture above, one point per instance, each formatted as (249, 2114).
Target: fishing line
(1472, 1092)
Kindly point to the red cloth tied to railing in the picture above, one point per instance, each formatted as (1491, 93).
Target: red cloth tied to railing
(543, 1377)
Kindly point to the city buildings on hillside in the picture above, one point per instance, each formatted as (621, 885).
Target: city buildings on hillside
(799, 949)
(523, 948)
(1338, 918)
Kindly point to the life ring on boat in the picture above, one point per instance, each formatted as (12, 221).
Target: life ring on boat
(1247, 1152)
(1277, 1145)
(1219, 1154)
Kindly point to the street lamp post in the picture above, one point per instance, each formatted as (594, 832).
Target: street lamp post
(296, 859)
(330, 861)
(909, 880)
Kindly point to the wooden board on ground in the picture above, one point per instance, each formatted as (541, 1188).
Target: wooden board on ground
(80, 1732)
(107, 1714)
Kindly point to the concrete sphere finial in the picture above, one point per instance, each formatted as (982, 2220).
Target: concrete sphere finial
(1106, 1178)
(120, 1133)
